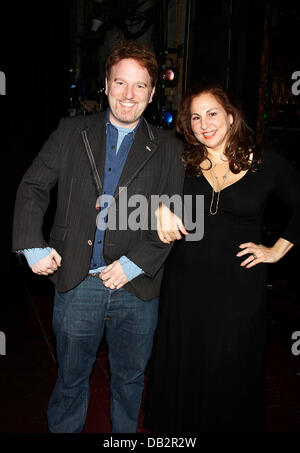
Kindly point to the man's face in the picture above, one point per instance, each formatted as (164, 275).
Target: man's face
(129, 92)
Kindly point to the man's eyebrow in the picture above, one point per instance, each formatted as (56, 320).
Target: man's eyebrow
(123, 80)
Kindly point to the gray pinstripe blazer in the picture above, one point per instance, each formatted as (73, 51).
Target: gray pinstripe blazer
(73, 158)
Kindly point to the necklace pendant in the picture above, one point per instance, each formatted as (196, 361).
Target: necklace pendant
(217, 193)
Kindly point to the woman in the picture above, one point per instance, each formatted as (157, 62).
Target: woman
(207, 372)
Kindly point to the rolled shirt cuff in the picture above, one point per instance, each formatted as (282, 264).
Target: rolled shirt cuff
(36, 254)
(130, 269)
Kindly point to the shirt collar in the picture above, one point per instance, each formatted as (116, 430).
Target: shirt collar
(109, 123)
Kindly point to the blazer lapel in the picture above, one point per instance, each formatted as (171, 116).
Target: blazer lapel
(94, 138)
(96, 135)
(142, 149)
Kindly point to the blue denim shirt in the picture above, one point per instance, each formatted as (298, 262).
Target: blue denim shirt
(114, 162)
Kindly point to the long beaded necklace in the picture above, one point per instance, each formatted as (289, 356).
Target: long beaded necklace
(218, 193)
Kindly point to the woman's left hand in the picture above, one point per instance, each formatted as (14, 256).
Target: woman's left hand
(258, 254)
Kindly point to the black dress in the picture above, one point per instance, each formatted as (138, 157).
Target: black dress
(207, 369)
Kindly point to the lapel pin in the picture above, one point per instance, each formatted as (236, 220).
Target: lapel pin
(148, 148)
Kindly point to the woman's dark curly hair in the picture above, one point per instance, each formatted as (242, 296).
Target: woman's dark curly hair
(240, 141)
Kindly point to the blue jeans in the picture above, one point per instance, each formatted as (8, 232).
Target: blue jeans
(78, 322)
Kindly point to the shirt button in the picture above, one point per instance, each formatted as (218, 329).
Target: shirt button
(113, 147)
(99, 242)
(90, 242)
(109, 169)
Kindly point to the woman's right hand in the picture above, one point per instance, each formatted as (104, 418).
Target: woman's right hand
(169, 225)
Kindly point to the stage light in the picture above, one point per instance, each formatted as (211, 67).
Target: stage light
(169, 76)
(168, 119)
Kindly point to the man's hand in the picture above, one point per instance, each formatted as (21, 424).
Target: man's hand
(113, 276)
(47, 265)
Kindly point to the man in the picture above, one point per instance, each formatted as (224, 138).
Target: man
(103, 276)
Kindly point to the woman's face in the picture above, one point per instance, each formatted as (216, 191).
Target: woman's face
(210, 122)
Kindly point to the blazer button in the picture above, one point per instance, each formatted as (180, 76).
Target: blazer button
(90, 242)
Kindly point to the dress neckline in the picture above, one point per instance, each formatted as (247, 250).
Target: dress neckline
(230, 185)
